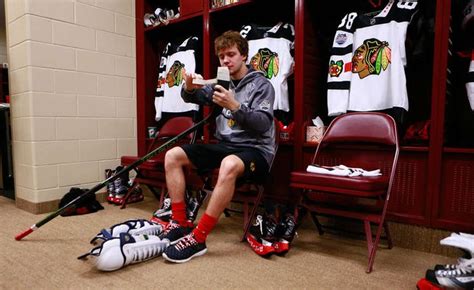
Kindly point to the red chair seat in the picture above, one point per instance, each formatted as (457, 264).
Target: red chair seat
(155, 163)
(364, 185)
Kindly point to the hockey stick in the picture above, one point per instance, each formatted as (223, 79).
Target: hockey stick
(127, 169)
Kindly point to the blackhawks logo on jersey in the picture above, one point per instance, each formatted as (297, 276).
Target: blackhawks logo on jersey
(252, 166)
(230, 123)
(335, 68)
(266, 61)
(161, 81)
(175, 76)
(371, 57)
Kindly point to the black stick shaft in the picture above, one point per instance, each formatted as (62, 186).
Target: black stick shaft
(127, 169)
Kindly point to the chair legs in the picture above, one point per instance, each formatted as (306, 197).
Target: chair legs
(249, 217)
(317, 223)
(160, 195)
(372, 245)
(372, 242)
(387, 233)
(127, 195)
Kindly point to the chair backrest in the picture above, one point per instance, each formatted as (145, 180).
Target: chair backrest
(366, 140)
(363, 127)
(172, 128)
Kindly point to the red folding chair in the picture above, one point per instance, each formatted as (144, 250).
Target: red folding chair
(364, 140)
(151, 172)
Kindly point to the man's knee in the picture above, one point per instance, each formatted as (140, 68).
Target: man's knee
(175, 157)
(231, 167)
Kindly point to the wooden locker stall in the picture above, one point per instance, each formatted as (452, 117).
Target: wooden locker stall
(434, 186)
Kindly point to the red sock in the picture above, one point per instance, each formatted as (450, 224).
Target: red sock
(178, 210)
(204, 227)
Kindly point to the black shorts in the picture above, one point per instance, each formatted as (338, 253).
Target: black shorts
(207, 157)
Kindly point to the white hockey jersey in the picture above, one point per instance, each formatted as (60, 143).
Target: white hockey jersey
(271, 51)
(175, 62)
(366, 67)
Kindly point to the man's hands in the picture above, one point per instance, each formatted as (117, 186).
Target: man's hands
(222, 97)
(225, 98)
(188, 79)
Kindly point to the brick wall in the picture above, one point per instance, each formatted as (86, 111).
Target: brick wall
(72, 87)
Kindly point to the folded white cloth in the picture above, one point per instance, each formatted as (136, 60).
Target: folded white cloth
(342, 170)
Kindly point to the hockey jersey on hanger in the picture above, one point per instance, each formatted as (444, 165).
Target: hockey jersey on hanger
(366, 67)
(271, 51)
(175, 62)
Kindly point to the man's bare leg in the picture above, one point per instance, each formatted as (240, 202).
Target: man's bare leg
(175, 161)
(231, 168)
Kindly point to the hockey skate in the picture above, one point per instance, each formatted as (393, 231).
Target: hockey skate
(162, 215)
(460, 278)
(459, 237)
(460, 275)
(120, 186)
(132, 227)
(110, 185)
(126, 249)
(125, 188)
(135, 194)
(424, 284)
(262, 235)
(286, 231)
(463, 242)
(193, 204)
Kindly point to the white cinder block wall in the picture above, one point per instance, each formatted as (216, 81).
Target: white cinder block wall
(72, 87)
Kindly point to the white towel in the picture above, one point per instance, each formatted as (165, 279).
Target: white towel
(342, 170)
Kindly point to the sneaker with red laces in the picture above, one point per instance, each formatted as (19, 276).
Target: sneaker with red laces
(186, 249)
(174, 232)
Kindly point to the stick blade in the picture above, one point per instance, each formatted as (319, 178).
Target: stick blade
(23, 234)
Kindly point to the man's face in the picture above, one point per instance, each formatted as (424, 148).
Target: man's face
(232, 59)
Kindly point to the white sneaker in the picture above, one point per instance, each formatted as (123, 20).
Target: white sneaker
(133, 227)
(119, 252)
